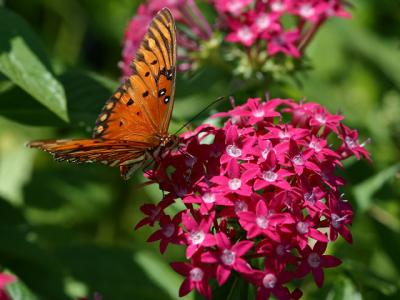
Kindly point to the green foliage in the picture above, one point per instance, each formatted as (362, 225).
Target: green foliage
(67, 231)
(22, 65)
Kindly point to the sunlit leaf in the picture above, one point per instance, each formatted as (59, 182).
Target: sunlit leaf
(23, 66)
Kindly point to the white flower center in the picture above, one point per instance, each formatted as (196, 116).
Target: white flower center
(315, 145)
(233, 151)
(314, 260)
(240, 206)
(197, 237)
(309, 197)
(270, 176)
(154, 213)
(283, 135)
(235, 184)
(351, 143)
(269, 281)
(258, 113)
(298, 160)
(302, 227)
(196, 274)
(208, 198)
(169, 230)
(280, 250)
(235, 7)
(306, 10)
(245, 34)
(277, 6)
(321, 118)
(336, 221)
(228, 257)
(263, 22)
(189, 162)
(262, 222)
(181, 191)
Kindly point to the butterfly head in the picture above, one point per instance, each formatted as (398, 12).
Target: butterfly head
(168, 141)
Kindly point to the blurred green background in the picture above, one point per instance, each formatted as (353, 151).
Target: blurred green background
(67, 231)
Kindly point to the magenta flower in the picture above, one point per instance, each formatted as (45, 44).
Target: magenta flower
(263, 221)
(198, 234)
(233, 7)
(168, 233)
(197, 276)
(228, 257)
(314, 261)
(266, 174)
(351, 145)
(241, 33)
(232, 182)
(283, 42)
(270, 281)
(261, 188)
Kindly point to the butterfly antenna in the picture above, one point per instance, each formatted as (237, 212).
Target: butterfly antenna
(202, 111)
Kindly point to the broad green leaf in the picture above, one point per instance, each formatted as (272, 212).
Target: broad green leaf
(25, 109)
(23, 66)
(364, 191)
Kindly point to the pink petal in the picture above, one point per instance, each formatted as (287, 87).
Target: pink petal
(181, 268)
(186, 287)
(241, 248)
(315, 234)
(318, 274)
(222, 241)
(222, 274)
(330, 261)
(261, 208)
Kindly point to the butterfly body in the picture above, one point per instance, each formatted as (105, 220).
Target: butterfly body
(133, 124)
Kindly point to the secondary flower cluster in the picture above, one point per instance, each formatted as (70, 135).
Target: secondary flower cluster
(252, 22)
(261, 197)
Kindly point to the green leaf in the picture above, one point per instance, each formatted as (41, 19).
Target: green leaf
(364, 191)
(26, 67)
(25, 109)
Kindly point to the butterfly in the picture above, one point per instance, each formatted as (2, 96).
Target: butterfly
(132, 127)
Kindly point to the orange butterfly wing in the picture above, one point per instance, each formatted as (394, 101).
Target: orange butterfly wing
(135, 120)
(141, 108)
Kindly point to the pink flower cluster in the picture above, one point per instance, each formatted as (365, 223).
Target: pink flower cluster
(185, 12)
(263, 187)
(252, 22)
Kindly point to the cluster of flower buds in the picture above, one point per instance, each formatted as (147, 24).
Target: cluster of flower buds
(262, 188)
(258, 22)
